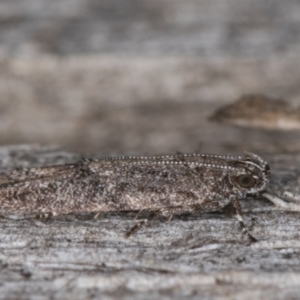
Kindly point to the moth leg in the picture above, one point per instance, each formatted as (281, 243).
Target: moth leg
(135, 228)
(239, 215)
(97, 215)
(164, 212)
(138, 225)
(137, 215)
(283, 205)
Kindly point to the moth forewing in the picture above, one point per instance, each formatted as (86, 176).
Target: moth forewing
(168, 184)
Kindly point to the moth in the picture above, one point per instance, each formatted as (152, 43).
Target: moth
(168, 185)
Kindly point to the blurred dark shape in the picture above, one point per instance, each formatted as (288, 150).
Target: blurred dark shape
(259, 111)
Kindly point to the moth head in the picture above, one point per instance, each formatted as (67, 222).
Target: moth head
(250, 174)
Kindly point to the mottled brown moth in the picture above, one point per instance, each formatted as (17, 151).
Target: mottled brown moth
(168, 185)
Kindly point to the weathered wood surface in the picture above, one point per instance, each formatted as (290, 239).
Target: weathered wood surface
(200, 255)
(141, 77)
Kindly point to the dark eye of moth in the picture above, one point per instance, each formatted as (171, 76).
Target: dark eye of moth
(246, 181)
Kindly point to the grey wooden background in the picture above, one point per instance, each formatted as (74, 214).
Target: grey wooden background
(141, 77)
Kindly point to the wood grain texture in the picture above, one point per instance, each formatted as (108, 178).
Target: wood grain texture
(195, 255)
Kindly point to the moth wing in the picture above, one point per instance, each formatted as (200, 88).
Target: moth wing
(59, 172)
(22, 175)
